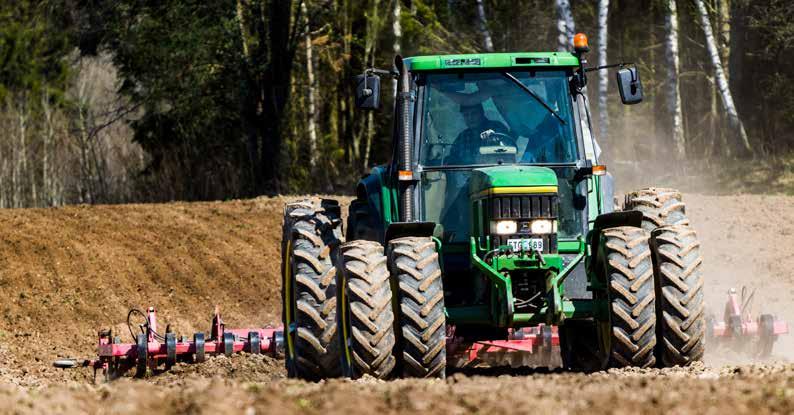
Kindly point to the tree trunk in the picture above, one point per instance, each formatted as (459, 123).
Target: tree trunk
(565, 25)
(603, 75)
(483, 24)
(398, 36)
(312, 115)
(48, 139)
(279, 39)
(722, 81)
(373, 29)
(23, 117)
(672, 84)
(249, 105)
(724, 38)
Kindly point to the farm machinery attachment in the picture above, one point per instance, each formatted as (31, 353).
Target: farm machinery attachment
(152, 349)
(740, 331)
(155, 352)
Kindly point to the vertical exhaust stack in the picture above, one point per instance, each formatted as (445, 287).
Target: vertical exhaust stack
(405, 98)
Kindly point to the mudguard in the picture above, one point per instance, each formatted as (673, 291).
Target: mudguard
(370, 189)
(610, 220)
(401, 229)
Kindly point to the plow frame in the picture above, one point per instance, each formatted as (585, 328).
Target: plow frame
(151, 349)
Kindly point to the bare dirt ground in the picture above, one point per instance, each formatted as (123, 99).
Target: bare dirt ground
(66, 273)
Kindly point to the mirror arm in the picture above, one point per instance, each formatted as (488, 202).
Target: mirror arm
(381, 72)
(613, 65)
(584, 170)
(580, 79)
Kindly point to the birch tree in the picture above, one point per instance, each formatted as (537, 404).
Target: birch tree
(483, 23)
(603, 78)
(565, 25)
(722, 81)
(312, 112)
(397, 29)
(672, 84)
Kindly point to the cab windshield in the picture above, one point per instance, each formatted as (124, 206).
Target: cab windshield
(486, 118)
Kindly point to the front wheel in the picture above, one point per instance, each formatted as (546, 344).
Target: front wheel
(628, 334)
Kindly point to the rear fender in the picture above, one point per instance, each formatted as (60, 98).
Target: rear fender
(402, 229)
(606, 221)
(372, 190)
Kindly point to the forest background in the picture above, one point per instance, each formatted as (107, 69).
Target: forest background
(146, 100)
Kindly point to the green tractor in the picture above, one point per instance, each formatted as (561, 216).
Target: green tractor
(494, 227)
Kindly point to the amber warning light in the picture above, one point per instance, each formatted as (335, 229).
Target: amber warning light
(580, 43)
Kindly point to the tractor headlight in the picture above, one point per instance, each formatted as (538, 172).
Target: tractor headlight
(543, 226)
(504, 227)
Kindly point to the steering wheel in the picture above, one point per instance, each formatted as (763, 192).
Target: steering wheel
(492, 137)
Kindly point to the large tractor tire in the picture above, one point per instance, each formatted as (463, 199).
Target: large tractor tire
(681, 325)
(365, 315)
(659, 207)
(311, 236)
(629, 337)
(421, 324)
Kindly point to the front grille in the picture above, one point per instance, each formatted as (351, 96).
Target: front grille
(522, 209)
(525, 207)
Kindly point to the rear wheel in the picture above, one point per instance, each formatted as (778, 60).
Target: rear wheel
(413, 261)
(681, 326)
(365, 316)
(311, 235)
(628, 337)
(659, 207)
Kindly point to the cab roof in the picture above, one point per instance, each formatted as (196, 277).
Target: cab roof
(492, 60)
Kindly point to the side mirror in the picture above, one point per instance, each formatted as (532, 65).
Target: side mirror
(629, 85)
(367, 91)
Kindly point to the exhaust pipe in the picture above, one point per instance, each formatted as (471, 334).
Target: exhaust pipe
(405, 99)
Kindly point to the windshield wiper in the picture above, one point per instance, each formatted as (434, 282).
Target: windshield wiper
(515, 80)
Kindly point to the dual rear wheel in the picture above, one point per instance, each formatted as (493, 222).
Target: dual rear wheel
(391, 307)
(653, 288)
(354, 309)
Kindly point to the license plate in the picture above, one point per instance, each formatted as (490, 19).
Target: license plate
(534, 244)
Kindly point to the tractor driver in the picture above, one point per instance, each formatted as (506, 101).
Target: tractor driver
(465, 149)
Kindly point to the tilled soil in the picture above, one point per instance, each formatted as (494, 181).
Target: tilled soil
(65, 273)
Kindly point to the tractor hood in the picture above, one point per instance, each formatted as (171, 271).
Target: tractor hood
(512, 179)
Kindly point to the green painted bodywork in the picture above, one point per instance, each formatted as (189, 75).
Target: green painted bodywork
(380, 190)
(510, 176)
(492, 60)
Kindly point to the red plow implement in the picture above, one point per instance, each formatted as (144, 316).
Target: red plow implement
(152, 350)
(740, 331)
(537, 346)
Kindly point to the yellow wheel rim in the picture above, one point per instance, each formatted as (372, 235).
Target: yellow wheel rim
(343, 311)
(288, 299)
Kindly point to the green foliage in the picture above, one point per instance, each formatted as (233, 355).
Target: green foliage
(31, 59)
(218, 90)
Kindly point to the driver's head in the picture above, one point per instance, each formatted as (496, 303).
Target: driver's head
(473, 115)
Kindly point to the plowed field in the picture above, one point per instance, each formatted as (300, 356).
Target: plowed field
(65, 273)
